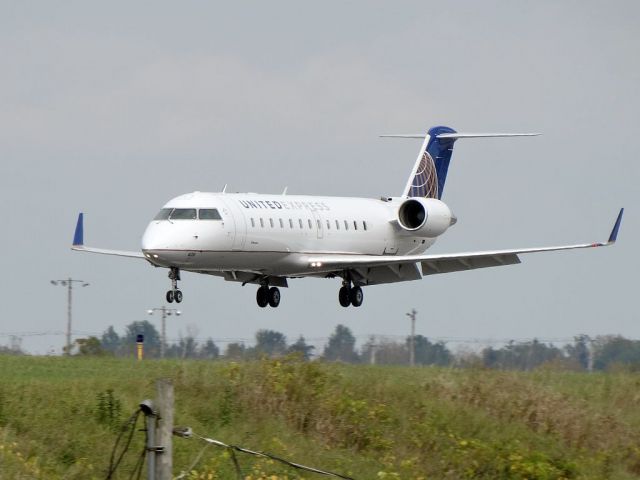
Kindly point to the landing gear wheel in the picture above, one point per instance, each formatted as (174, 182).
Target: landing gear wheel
(343, 297)
(274, 297)
(174, 293)
(262, 297)
(356, 296)
(177, 296)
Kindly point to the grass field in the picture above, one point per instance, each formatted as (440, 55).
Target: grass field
(59, 418)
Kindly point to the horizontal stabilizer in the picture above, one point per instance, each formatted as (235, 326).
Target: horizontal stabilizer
(486, 135)
(460, 135)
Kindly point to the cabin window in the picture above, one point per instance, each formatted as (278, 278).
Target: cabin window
(300, 222)
(319, 226)
(310, 224)
(163, 214)
(281, 223)
(364, 225)
(271, 222)
(291, 224)
(346, 225)
(209, 214)
(328, 225)
(253, 223)
(355, 225)
(261, 223)
(337, 225)
(183, 214)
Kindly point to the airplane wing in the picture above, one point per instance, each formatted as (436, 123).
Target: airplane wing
(374, 269)
(78, 244)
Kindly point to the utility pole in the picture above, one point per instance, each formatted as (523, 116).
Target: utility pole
(69, 284)
(412, 340)
(372, 350)
(165, 312)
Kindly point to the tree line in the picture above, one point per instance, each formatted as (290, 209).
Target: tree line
(583, 354)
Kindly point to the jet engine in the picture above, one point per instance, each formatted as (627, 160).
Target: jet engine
(425, 217)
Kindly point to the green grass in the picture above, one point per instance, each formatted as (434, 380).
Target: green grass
(59, 418)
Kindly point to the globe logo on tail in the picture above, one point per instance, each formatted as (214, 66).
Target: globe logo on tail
(425, 181)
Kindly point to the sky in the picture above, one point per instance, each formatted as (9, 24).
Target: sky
(113, 108)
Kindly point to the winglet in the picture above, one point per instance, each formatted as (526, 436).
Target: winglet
(614, 233)
(78, 236)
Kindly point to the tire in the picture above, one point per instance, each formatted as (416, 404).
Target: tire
(343, 297)
(177, 296)
(169, 296)
(262, 297)
(356, 296)
(274, 297)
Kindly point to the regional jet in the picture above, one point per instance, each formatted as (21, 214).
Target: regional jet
(268, 239)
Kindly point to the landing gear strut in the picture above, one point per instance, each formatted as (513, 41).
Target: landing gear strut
(268, 296)
(174, 293)
(350, 295)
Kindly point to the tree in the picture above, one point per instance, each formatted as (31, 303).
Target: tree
(578, 353)
(341, 346)
(521, 356)
(235, 351)
(616, 350)
(110, 340)
(209, 350)
(301, 347)
(270, 343)
(89, 347)
(151, 337)
(428, 353)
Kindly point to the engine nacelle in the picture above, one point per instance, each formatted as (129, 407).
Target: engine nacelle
(425, 217)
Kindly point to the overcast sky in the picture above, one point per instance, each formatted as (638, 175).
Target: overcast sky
(113, 108)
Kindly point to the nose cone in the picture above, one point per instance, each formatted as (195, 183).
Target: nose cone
(150, 238)
(453, 219)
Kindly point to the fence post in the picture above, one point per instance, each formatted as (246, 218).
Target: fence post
(164, 432)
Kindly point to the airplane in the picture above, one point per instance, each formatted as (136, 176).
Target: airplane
(268, 239)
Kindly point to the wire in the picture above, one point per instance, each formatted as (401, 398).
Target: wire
(184, 473)
(235, 463)
(140, 463)
(129, 424)
(187, 432)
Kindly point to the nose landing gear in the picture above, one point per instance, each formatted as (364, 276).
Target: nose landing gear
(268, 296)
(174, 293)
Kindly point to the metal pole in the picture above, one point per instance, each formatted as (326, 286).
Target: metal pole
(164, 402)
(412, 342)
(151, 444)
(69, 299)
(164, 331)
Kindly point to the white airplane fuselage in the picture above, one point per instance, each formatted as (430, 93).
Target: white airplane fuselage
(275, 234)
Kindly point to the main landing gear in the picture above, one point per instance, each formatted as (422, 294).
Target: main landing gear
(174, 293)
(350, 295)
(268, 296)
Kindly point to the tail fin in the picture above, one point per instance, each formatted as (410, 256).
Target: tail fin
(430, 170)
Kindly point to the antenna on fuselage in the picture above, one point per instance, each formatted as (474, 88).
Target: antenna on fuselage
(284, 192)
(224, 190)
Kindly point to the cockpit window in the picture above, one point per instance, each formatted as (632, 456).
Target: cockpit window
(209, 214)
(163, 214)
(183, 214)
